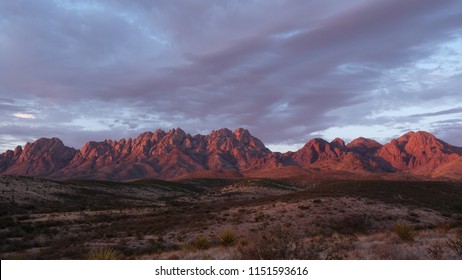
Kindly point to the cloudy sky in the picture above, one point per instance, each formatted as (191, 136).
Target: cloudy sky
(286, 70)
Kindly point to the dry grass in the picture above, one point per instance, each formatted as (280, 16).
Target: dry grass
(276, 243)
(456, 244)
(404, 230)
(200, 243)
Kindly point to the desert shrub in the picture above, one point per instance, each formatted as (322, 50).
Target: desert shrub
(338, 246)
(260, 217)
(28, 228)
(456, 245)
(228, 237)
(200, 243)
(443, 227)
(104, 254)
(157, 245)
(6, 222)
(350, 224)
(276, 243)
(435, 253)
(404, 231)
(413, 214)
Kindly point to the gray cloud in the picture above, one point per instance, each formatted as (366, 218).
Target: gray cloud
(285, 70)
(439, 113)
(450, 130)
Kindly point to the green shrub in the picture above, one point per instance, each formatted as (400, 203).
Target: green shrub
(228, 237)
(104, 254)
(404, 231)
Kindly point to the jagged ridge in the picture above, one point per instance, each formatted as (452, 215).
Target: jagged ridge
(222, 153)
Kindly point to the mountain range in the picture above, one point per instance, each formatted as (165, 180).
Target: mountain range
(224, 153)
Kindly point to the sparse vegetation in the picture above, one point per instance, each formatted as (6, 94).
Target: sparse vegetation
(338, 246)
(435, 253)
(404, 230)
(350, 224)
(228, 237)
(276, 243)
(200, 243)
(104, 254)
(456, 245)
(179, 220)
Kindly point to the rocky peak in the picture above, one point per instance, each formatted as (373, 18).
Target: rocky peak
(145, 136)
(405, 137)
(223, 132)
(92, 149)
(318, 144)
(158, 134)
(363, 145)
(6, 160)
(17, 151)
(43, 146)
(242, 135)
(420, 140)
(338, 143)
(417, 151)
(226, 140)
(175, 136)
(44, 156)
(8, 154)
(174, 153)
(316, 149)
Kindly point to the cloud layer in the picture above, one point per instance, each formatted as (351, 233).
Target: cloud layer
(286, 70)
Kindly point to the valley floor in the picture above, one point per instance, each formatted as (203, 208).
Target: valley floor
(298, 218)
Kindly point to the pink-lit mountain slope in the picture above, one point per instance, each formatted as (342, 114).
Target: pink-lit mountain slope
(224, 153)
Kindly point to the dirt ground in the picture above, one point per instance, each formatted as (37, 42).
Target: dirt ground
(298, 218)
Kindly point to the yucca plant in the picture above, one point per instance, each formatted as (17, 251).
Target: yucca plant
(104, 254)
(228, 237)
(404, 231)
(200, 243)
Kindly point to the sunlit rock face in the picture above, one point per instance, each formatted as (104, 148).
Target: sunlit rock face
(224, 153)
